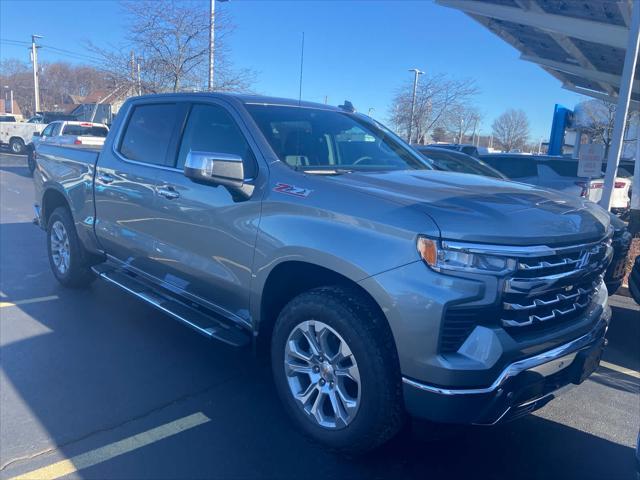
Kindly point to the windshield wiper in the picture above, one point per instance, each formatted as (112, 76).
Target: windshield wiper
(322, 169)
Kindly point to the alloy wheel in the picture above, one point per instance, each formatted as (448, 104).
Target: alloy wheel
(60, 250)
(322, 374)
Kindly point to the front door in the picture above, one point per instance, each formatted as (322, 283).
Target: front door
(205, 236)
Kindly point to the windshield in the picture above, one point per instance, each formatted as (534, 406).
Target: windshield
(459, 163)
(326, 140)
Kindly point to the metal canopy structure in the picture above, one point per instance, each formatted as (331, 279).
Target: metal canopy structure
(590, 46)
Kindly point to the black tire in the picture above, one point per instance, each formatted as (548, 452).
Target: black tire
(380, 414)
(17, 146)
(77, 272)
(31, 162)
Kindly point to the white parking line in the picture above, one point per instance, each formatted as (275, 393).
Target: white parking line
(617, 368)
(102, 454)
(28, 301)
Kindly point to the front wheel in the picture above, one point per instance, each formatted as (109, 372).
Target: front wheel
(66, 257)
(336, 370)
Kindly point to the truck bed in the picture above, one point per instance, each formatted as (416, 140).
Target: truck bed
(69, 170)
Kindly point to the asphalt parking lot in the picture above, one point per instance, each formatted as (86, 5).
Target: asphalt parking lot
(94, 384)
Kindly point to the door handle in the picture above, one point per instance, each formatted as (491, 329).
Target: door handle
(168, 192)
(105, 178)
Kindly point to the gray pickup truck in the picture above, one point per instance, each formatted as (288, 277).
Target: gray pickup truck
(377, 285)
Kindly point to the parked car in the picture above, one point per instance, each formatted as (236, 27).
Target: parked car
(454, 161)
(18, 134)
(559, 173)
(459, 162)
(469, 149)
(64, 132)
(621, 244)
(378, 285)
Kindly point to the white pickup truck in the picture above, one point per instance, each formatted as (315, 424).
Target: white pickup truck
(65, 132)
(18, 134)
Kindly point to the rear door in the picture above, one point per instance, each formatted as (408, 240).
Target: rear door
(204, 235)
(128, 173)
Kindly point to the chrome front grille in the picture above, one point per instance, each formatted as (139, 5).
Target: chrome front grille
(551, 289)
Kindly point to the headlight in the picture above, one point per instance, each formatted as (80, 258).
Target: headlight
(440, 256)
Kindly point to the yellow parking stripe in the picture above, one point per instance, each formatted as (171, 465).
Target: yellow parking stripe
(102, 454)
(626, 371)
(28, 301)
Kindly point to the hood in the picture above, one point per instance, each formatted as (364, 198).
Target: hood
(482, 209)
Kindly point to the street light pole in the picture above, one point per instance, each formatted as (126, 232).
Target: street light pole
(34, 61)
(413, 100)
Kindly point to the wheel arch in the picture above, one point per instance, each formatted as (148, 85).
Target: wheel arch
(53, 198)
(290, 278)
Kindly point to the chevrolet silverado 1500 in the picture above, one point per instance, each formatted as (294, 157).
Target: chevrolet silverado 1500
(378, 285)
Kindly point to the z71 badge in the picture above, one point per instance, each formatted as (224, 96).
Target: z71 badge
(292, 190)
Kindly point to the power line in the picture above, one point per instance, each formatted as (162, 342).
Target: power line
(70, 53)
(60, 51)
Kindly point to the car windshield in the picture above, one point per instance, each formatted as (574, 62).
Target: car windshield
(320, 141)
(459, 163)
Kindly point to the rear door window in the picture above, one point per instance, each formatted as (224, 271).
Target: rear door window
(149, 132)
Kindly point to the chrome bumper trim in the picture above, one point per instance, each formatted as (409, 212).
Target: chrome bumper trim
(522, 365)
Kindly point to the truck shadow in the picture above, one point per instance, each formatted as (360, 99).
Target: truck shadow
(92, 360)
(17, 170)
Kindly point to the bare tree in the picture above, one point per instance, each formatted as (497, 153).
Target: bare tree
(436, 94)
(511, 130)
(169, 39)
(58, 80)
(598, 117)
(460, 120)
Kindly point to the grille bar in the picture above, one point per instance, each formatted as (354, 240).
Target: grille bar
(549, 290)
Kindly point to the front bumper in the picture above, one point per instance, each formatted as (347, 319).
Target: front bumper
(521, 388)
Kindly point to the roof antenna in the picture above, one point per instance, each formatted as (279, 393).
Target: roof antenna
(301, 69)
(347, 106)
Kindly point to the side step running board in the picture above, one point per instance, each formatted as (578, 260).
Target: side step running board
(209, 325)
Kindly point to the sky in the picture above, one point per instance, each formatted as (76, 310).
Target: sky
(354, 49)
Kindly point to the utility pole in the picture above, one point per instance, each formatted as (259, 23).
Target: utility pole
(413, 100)
(138, 79)
(624, 97)
(34, 61)
(211, 42)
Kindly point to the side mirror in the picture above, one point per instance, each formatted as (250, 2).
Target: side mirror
(218, 169)
(36, 134)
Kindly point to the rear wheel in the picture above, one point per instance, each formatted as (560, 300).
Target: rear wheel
(16, 145)
(336, 370)
(66, 257)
